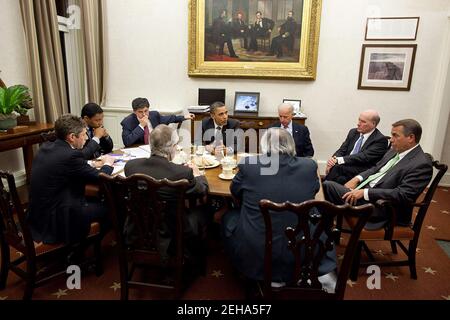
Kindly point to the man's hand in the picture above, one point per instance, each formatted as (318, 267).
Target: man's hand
(107, 160)
(331, 162)
(210, 148)
(194, 168)
(353, 196)
(100, 132)
(143, 121)
(353, 183)
(189, 116)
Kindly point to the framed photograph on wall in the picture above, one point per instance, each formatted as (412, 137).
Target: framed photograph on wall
(394, 28)
(386, 67)
(296, 103)
(274, 39)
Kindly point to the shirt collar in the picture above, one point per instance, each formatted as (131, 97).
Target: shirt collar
(289, 127)
(404, 153)
(367, 135)
(216, 125)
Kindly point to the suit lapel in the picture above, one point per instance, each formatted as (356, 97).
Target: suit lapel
(369, 140)
(352, 145)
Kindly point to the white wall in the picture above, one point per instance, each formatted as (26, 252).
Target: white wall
(148, 49)
(13, 64)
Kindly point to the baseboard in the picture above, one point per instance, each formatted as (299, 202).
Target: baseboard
(445, 181)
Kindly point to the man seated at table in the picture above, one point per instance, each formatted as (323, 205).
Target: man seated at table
(277, 175)
(58, 210)
(218, 131)
(364, 146)
(400, 176)
(137, 126)
(300, 133)
(99, 141)
(163, 143)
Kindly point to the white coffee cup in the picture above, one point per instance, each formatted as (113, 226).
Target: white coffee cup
(228, 164)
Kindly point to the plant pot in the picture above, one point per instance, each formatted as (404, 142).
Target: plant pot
(7, 122)
(23, 120)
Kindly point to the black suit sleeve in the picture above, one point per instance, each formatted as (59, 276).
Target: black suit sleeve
(237, 185)
(170, 119)
(79, 168)
(89, 149)
(130, 134)
(308, 150)
(106, 144)
(370, 154)
(343, 150)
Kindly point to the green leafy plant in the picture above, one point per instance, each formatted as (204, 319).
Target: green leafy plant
(15, 99)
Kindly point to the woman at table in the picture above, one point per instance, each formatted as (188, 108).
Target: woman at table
(277, 175)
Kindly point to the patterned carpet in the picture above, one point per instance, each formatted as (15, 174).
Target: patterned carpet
(221, 283)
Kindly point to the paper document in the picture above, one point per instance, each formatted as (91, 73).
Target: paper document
(136, 153)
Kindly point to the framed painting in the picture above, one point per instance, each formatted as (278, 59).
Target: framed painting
(392, 28)
(386, 67)
(272, 39)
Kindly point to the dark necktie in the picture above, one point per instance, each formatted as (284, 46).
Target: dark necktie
(146, 134)
(218, 137)
(358, 145)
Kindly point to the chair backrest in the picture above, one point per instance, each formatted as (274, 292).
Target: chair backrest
(13, 222)
(425, 203)
(48, 136)
(309, 247)
(136, 206)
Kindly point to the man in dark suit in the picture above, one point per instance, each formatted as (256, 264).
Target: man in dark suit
(364, 146)
(163, 142)
(99, 141)
(240, 29)
(400, 176)
(300, 133)
(221, 32)
(218, 130)
(280, 176)
(137, 126)
(261, 28)
(58, 210)
(287, 32)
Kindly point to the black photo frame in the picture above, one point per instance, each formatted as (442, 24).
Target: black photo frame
(246, 102)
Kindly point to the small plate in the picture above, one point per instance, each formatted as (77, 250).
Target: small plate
(221, 176)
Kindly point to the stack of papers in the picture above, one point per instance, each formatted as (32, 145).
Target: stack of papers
(198, 109)
(138, 152)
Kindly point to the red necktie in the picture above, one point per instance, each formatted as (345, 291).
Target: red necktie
(146, 134)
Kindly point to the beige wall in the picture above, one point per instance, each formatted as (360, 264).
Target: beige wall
(13, 65)
(148, 57)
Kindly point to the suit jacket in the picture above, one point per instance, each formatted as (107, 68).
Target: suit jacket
(266, 25)
(208, 131)
(403, 183)
(371, 152)
(58, 178)
(133, 134)
(300, 133)
(92, 149)
(295, 181)
(240, 28)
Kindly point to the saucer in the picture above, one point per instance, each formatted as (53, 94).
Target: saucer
(221, 176)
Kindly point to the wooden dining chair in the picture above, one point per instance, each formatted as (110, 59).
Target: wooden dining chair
(395, 234)
(37, 262)
(308, 248)
(137, 211)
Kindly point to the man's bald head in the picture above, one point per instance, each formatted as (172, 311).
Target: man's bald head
(367, 121)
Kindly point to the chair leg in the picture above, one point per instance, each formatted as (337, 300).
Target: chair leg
(123, 278)
(4, 268)
(98, 257)
(394, 246)
(356, 260)
(339, 223)
(412, 259)
(30, 281)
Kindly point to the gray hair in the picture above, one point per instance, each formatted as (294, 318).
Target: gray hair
(286, 105)
(278, 141)
(67, 124)
(162, 140)
(373, 115)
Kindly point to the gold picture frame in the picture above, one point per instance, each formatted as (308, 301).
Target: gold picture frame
(254, 64)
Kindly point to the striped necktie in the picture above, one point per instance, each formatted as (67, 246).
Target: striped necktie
(358, 145)
(382, 171)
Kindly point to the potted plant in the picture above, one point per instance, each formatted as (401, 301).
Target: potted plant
(13, 100)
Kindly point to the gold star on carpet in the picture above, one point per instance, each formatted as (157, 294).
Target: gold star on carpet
(113, 243)
(217, 273)
(3, 298)
(431, 228)
(379, 252)
(115, 286)
(41, 270)
(445, 212)
(19, 253)
(446, 297)
(60, 293)
(391, 276)
(418, 250)
(351, 283)
(340, 257)
(433, 201)
(445, 190)
(429, 270)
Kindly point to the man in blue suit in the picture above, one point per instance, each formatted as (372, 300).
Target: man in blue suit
(300, 133)
(137, 126)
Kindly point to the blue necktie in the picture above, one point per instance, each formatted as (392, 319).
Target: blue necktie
(358, 145)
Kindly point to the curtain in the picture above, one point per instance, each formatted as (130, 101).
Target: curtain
(93, 12)
(45, 59)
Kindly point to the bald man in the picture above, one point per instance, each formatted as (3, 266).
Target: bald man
(364, 146)
(300, 133)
